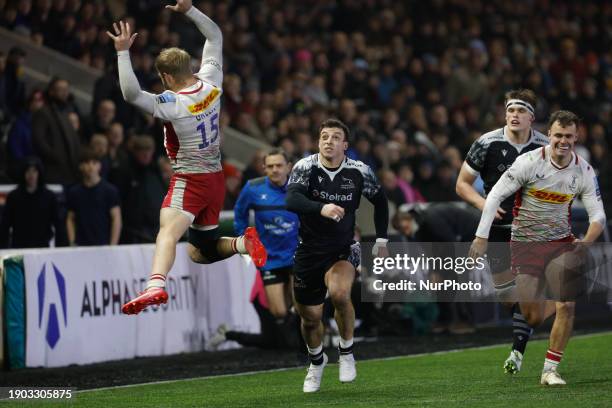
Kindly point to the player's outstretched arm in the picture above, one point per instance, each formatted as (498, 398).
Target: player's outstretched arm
(211, 67)
(130, 88)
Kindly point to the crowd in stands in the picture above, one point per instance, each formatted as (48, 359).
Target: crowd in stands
(416, 82)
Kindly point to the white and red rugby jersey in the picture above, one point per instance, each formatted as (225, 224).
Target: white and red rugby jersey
(191, 127)
(544, 194)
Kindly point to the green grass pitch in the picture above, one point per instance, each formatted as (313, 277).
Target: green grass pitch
(467, 378)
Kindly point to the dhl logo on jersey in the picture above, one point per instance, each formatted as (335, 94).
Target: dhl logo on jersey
(203, 104)
(550, 196)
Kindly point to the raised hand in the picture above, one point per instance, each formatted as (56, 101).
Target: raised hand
(182, 6)
(123, 38)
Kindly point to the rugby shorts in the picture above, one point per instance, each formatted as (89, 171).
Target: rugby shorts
(200, 195)
(310, 267)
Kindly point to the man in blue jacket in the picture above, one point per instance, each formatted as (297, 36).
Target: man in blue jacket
(277, 228)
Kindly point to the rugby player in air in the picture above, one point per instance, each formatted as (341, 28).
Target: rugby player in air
(325, 190)
(544, 253)
(190, 109)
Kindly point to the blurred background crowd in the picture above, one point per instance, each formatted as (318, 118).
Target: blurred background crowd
(416, 82)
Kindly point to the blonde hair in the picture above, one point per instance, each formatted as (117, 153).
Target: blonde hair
(174, 61)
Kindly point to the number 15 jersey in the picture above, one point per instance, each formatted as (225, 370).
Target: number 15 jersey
(191, 127)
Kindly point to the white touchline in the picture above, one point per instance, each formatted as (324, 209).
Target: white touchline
(274, 370)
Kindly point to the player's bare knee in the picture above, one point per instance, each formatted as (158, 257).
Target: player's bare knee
(166, 234)
(310, 324)
(195, 255)
(340, 297)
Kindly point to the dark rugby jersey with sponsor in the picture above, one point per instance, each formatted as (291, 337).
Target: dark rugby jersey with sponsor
(493, 153)
(342, 186)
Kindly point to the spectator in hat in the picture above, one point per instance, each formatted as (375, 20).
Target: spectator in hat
(31, 216)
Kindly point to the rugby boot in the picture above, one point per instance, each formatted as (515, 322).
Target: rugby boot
(551, 377)
(347, 371)
(312, 382)
(512, 365)
(254, 247)
(150, 297)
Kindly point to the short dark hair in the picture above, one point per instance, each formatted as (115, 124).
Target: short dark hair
(335, 123)
(87, 155)
(526, 95)
(277, 152)
(565, 119)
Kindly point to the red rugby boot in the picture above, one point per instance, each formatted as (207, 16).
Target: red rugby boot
(254, 247)
(150, 297)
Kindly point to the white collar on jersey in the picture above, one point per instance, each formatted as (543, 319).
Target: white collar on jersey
(518, 146)
(331, 174)
(197, 85)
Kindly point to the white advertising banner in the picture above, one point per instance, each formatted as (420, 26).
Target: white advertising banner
(74, 298)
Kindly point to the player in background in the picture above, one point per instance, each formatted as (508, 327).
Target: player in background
(190, 109)
(489, 157)
(546, 181)
(325, 190)
(278, 229)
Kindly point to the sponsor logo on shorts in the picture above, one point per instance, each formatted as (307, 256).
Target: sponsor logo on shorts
(201, 106)
(550, 196)
(299, 283)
